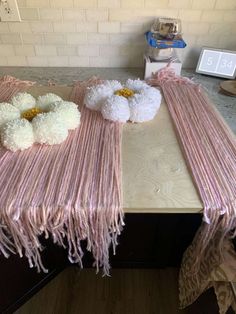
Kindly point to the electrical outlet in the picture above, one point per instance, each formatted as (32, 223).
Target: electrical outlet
(9, 11)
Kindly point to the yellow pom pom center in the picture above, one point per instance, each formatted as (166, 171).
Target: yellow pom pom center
(125, 92)
(31, 113)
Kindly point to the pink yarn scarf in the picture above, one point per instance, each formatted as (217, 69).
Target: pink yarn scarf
(71, 192)
(209, 147)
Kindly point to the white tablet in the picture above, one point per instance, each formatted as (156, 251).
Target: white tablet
(217, 62)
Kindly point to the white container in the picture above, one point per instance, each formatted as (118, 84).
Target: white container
(159, 54)
(151, 67)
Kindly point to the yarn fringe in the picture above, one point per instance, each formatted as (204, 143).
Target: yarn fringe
(10, 85)
(210, 150)
(77, 194)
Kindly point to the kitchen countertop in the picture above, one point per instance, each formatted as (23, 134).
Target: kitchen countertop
(155, 176)
(66, 76)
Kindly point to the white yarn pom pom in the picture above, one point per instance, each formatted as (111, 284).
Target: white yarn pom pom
(116, 108)
(96, 95)
(136, 85)
(141, 108)
(17, 135)
(23, 101)
(44, 101)
(153, 94)
(113, 84)
(68, 111)
(8, 113)
(49, 128)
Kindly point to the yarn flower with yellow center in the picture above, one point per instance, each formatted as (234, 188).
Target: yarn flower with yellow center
(31, 113)
(135, 100)
(125, 92)
(26, 121)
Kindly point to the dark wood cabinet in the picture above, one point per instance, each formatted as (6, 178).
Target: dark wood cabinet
(148, 240)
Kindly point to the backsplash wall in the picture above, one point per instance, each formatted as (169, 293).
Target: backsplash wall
(109, 33)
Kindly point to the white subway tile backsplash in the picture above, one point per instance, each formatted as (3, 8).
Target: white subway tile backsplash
(3, 61)
(225, 4)
(38, 3)
(87, 27)
(98, 39)
(62, 3)
(24, 50)
(58, 61)
(67, 50)
(106, 33)
(85, 4)
(54, 39)
(6, 50)
(37, 61)
(19, 27)
(64, 27)
(50, 14)
(41, 27)
(109, 3)
(79, 61)
(74, 14)
(11, 38)
(88, 50)
(43, 50)
(109, 27)
(17, 61)
(29, 13)
(99, 62)
(4, 28)
(32, 38)
(77, 38)
(108, 50)
(96, 15)
(132, 3)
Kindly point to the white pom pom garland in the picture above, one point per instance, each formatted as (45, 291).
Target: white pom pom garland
(49, 128)
(8, 113)
(17, 135)
(44, 101)
(116, 108)
(69, 113)
(23, 101)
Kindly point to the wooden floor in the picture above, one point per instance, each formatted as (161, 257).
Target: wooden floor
(130, 291)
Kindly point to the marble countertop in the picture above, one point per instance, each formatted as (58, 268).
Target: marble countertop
(66, 76)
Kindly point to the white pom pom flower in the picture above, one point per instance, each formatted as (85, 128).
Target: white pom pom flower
(116, 108)
(135, 101)
(17, 135)
(23, 101)
(44, 101)
(68, 111)
(8, 113)
(20, 127)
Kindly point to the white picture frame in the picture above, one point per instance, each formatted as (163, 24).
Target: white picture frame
(217, 62)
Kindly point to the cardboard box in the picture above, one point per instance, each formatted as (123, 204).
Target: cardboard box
(153, 66)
